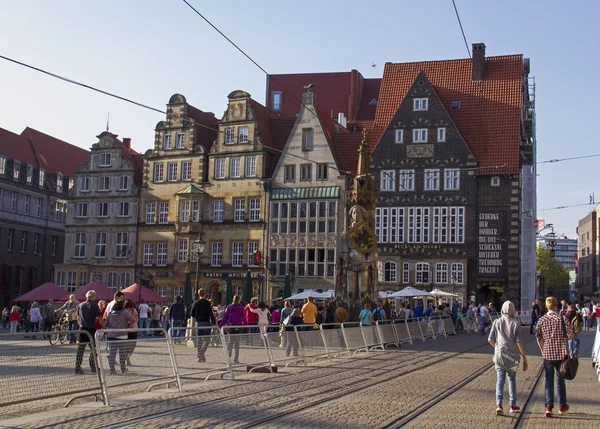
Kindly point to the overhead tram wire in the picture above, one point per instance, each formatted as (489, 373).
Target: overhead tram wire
(564, 207)
(461, 28)
(555, 160)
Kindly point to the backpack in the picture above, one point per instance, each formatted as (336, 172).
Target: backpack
(576, 324)
(377, 315)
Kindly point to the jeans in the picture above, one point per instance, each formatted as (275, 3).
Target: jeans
(84, 341)
(177, 332)
(73, 326)
(512, 386)
(203, 337)
(586, 323)
(143, 323)
(13, 327)
(551, 367)
(574, 345)
(482, 321)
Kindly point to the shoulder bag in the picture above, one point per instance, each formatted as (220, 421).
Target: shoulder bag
(569, 365)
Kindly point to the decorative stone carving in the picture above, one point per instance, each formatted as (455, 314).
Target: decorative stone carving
(419, 151)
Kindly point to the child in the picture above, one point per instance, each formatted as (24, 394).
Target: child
(14, 318)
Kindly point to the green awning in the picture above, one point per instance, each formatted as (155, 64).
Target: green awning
(305, 193)
(191, 189)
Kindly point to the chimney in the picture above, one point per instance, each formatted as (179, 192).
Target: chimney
(127, 142)
(308, 98)
(478, 72)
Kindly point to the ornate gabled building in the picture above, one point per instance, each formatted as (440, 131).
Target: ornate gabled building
(307, 210)
(101, 229)
(36, 172)
(451, 150)
(172, 199)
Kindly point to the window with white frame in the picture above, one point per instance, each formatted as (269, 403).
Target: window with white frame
(122, 240)
(60, 278)
(41, 177)
(432, 179)
(418, 225)
(159, 173)
(11, 239)
(399, 136)
(495, 181)
(440, 225)
(457, 225)
(237, 254)
(39, 206)
(27, 206)
(420, 135)
(36, 243)
(305, 172)
(254, 212)
(54, 247)
(451, 179)
(220, 168)
(218, 209)
(322, 170)
(123, 183)
(113, 280)
(289, 173)
(148, 254)
(150, 213)
(171, 172)
(100, 245)
(84, 184)
(179, 141)
(123, 209)
(13, 201)
(243, 135)
(105, 159)
(104, 183)
(421, 273)
(71, 281)
(405, 273)
(441, 273)
(186, 170)
(250, 166)
(457, 273)
(195, 217)
(163, 212)
(29, 173)
(23, 241)
(229, 135)
(420, 104)
(167, 142)
(216, 257)
(234, 167)
(308, 139)
(82, 279)
(389, 224)
(388, 180)
(125, 280)
(161, 254)
(101, 209)
(182, 250)
(406, 180)
(184, 210)
(252, 247)
(162, 291)
(239, 209)
(178, 291)
(276, 100)
(441, 134)
(81, 210)
(59, 183)
(390, 272)
(2, 165)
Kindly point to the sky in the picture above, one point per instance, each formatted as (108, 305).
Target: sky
(148, 50)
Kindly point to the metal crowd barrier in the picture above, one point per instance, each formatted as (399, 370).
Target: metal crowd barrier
(437, 326)
(414, 330)
(387, 332)
(204, 356)
(468, 324)
(596, 353)
(448, 324)
(32, 369)
(426, 328)
(353, 337)
(147, 360)
(284, 345)
(312, 343)
(246, 348)
(333, 337)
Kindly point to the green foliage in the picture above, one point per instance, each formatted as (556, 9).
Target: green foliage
(555, 275)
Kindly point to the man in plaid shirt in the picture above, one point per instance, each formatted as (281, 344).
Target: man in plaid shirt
(552, 332)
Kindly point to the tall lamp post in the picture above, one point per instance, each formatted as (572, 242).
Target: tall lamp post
(197, 250)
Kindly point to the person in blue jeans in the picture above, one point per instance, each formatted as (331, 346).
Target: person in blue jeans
(177, 316)
(576, 321)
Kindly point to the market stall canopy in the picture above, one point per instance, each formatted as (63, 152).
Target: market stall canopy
(45, 292)
(408, 292)
(103, 293)
(438, 293)
(329, 294)
(305, 294)
(133, 293)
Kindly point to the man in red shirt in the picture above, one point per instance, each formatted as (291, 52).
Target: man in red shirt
(552, 332)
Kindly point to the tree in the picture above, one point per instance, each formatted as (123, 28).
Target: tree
(555, 275)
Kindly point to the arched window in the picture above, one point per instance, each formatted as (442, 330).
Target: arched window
(422, 273)
(441, 272)
(457, 273)
(390, 270)
(113, 281)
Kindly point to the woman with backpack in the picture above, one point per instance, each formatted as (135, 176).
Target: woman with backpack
(577, 324)
(508, 349)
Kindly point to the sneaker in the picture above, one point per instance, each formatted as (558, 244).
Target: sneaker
(563, 410)
(201, 359)
(113, 372)
(78, 371)
(548, 411)
(515, 408)
(499, 410)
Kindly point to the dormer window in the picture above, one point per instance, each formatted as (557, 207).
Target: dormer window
(276, 100)
(229, 136)
(59, 183)
(167, 143)
(41, 177)
(179, 141)
(420, 104)
(307, 139)
(105, 159)
(2, 165)
(243, 135)
(29, 173)
(16, 169)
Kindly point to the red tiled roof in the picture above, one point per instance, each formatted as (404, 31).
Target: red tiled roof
(281, 128)
(205, 137)
(489, 113)
(370, 91)
(263, 115)
(338, 92)
(14, 146)
(54, 155)
(138, 166)
(346, 147)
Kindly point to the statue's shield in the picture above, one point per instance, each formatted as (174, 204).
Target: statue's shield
(362, 237)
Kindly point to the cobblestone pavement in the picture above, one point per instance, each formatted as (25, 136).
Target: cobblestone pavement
(367, 390)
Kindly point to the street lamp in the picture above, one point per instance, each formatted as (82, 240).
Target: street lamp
(197, 250)
(453, 281)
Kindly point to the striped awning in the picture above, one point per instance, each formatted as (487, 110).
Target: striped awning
(305, 193)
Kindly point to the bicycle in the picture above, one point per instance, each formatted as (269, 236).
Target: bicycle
(58, 331)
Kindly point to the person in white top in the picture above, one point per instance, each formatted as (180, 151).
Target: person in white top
(263, 316)
(144, 322)
(118, 297)
(483, 315)
(585, 314)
